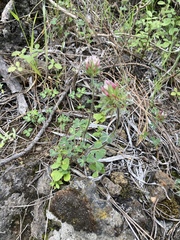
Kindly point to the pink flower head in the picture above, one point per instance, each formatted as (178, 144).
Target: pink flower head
(114, 96)
(92, 65)
(108, 87)
(109, 83)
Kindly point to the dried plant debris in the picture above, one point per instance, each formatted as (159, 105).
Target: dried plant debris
(91, 89)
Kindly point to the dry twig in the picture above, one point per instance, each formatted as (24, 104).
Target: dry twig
(62, 9)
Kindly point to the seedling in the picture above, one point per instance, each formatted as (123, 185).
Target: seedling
(34, 116)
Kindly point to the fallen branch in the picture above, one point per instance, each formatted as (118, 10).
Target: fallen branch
(117, 158)
(40, 133)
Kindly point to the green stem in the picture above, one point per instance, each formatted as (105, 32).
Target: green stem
(92, 107)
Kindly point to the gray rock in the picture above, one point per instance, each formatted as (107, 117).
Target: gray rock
(79, 205)
(114, 189)
(67, 232)
(14, 194)
(39, 222)
(43, 184)
(8, 212)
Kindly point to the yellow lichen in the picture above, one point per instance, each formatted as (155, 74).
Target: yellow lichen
(102, 214)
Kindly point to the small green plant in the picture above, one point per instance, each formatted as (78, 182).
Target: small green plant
(27, 132)
(66, 3)
(61, 170)
(6, 136)
(34, 116)
(28, 57)
(67, 150)
(15, 67)
(63, 120)
(49, 93)
(54, 65)
(76, 148)
(78, 93)
(157, 24)
(176, 93)
(91, 158)
(84, 30)
(1, 88)
(99, 117)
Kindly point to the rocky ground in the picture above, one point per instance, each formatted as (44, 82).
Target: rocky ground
(138, 195)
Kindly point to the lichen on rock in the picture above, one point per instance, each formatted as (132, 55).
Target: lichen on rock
(80, 205)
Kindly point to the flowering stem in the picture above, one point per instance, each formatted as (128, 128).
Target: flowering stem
(92, 106)
(118, 119)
